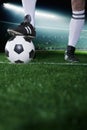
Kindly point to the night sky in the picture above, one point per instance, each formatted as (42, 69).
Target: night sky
(48, 4)
(56, 5)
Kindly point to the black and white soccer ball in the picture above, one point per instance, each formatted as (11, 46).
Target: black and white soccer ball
(19, 49)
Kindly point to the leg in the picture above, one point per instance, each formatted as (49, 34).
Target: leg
(76, 25)
(29, 9)
(78, 5)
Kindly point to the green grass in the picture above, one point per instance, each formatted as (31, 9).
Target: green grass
(43, 95)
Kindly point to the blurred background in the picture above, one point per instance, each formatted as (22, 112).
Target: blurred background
(51, 22)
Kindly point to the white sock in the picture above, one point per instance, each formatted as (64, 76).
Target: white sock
(29, 8)
(76, 25)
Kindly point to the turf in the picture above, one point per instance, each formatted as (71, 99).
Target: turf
(43, 94)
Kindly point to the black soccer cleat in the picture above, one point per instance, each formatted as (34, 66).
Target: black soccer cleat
(70, 56)
(24, 29)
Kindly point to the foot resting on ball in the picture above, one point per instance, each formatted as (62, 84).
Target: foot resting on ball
(24, 29)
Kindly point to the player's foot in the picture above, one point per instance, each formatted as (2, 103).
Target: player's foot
(69, 54)
(24, 29)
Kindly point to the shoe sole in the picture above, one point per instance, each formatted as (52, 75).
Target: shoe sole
(12, 32)
(71, 61)
(68, 60)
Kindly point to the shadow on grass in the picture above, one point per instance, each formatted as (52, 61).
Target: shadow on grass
(72, 121)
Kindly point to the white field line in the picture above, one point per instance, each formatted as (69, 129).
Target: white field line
(49, 63)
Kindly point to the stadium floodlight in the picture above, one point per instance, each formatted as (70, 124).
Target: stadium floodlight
(38, 13)
(13, 7)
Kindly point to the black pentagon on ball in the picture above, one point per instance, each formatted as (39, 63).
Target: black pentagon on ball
(19, 61)
(18, 48)
(7, 52)
(31, 54)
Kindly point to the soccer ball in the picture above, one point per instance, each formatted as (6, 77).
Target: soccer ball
(19, 49)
